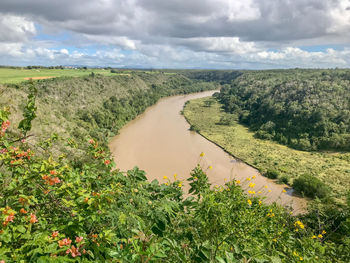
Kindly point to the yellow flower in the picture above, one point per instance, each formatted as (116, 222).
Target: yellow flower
(175, 175)
(269, 191)
(248, 179)
(274, 240)
(202, 154)
(251, 185)
(249, 202)
(166, 184)
(253, 176)
(180, 185)
(259, 192)
(210, 167)
(319, 236)
(165, 177)
(301, 258)
(299, 224)
(323, 232)
(265, 186)
(313, 237)
(238, 181)
(284, 191)
(251, 192)
(260, 202)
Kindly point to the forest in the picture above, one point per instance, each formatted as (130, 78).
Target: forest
(304, 109)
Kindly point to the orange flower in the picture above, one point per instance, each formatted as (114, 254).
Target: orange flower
(54, 234)
(78, 239)
(73, 251)
(53, 172)
(10, 217)
(23, 211)
(33, 218)
(107, 162)
(86, 199)
(51, 180)
(64, 242)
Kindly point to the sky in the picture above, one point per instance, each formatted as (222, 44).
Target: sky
(212, 34)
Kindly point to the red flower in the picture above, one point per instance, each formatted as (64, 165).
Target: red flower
(107, 162)
(23, 211)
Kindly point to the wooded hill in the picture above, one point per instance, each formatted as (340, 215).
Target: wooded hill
(97, 106)
(305, 109)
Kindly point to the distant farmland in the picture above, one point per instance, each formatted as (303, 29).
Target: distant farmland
(17, 75)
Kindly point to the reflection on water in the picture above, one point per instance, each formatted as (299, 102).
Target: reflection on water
(159, 142)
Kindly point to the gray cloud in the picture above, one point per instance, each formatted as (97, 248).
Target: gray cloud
(216, 31)
(264, 20)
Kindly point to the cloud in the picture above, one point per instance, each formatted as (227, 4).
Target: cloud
(15, 28)
(177, 33)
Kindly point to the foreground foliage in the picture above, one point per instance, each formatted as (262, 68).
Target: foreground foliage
(52, 211)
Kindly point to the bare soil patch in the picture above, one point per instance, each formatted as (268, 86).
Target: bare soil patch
(46, 77)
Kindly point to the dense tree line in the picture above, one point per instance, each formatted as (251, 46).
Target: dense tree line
(219, 76)
(305, 109)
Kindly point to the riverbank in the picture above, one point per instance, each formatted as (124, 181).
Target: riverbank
(331, 168)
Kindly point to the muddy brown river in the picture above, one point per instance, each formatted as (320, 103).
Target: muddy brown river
(159, 141)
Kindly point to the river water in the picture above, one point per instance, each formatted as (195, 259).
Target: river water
(159, 142)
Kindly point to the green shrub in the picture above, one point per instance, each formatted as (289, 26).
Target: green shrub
(311, 186)
(227, 119)
(283, 179)
(272, 174)
(194, 128)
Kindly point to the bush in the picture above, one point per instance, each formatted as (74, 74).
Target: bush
(194, 128)
(311, 186)
(283, 179)
(227, 119)
(272, 174)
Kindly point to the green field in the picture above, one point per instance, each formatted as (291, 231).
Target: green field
(17, 75)
(331, 168)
